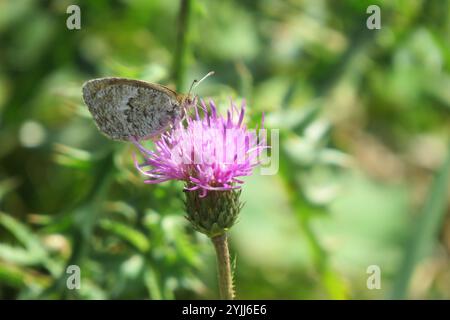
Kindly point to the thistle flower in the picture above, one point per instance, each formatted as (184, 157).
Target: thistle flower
(209, 153)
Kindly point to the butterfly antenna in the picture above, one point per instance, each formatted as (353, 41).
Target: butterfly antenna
(192, 87)
(196, 82)
(201, 80)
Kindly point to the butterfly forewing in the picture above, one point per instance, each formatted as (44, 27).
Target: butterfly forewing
(124, 108)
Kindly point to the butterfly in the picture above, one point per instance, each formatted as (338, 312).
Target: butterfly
(125, 109)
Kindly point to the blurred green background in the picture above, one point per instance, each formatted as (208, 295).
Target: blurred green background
(363, 155)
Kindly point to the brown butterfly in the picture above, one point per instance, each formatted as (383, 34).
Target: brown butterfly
(125, 109)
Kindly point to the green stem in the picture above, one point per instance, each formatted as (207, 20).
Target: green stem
(180, 57)
(224, 268)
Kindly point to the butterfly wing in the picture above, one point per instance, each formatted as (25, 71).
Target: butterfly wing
(125, 108)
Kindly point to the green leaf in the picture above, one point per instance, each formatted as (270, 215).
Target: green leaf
(17, 255)
(22, 233)
(425, 232)
(132, 236)
(34, 252)
(18, 277)
(152, 284)
(72, 157)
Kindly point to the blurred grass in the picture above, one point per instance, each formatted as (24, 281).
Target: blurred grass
(363, 119)
(426, 229)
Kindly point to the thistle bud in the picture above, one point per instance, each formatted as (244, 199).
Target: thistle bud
(215, 213)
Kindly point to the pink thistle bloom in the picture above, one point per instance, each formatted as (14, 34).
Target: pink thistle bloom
(207, 152)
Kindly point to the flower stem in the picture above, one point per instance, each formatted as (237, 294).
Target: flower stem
(223, 263)
(181, 50)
